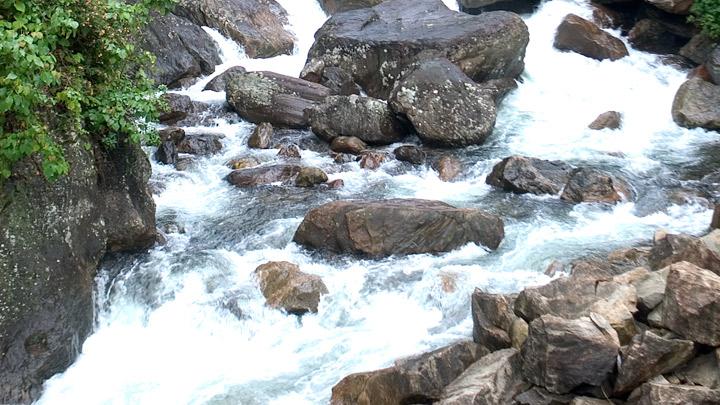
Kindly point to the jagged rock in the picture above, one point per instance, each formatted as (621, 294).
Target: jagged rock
(382, 228)
(183, 50)
(448, 168)
(274, 98)
(166, 153)
(562, 354)
(310, 176)
(481, 6)
(377, 44)
(290, 151)
(445, 106)
(261, 137)
(541, 396)
(698, 49)
(285, 286)
(206, 144)
(590, 185)
(416, 379)
(492, 319)
(521, 174)
(650, 355)
(673, 6)
(243, 163)
(365, 118)
(371, 160)
(219, 83)
(703, 370)
(177, 109)
(691, 307)
(669, 248)
(340, 6)
(651, 290)
(651, 35)
(494, 379)
(697, 104)
(518, 333)
(258, 25)
(411, 154)
(348, 144)
(671, 394)
(257, 176)
(584, 37)
(609, 119)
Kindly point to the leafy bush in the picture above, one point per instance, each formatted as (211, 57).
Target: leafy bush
(69, 69)
(706, 14)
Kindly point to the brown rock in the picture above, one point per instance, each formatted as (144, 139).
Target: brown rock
(590, 185)
(671, 394)
(702, 252)
(448, 168)
(205, 144)
(521, 174)
(681, 7)
(372, 160)
(411, 154)
(261, 138)
(582, 36)
(348, 144)
(492, 319)
(290, 151)
(609, 119)
(697, 104)
(262, 175)
(286, 287)
(703, 370)
(336, 184)
(243, 163)
(310, 176)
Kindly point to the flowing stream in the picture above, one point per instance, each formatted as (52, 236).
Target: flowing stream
(185, 323)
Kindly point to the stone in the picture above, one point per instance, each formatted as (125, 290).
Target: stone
(521, 174)
(204, 145)
(340, 6)
(492, 319)
(285, 286)
(336, 184)
(448, 168)
(590, 185)
(481, 6)
(262, 175)
(219, 82)
(418, 379)
(715, 222)
(671, 394)
(411, 154)
(381, 228)
(339, 81)
(348, 144)
(166, 153)
(171, 134)
(670, 248)
(650, 355)
(584, 37)
(589, 401)
(177, 108)
(376, 45)
(651, 35)
(713, 65)
(681, 7)
(261, 137)
(541, 396)
(494, 379)
(258, 25)
(697, 104)
(365, 118)
(372, 160)
(243, 163)
(698, 49)
(310, 176)
(651, 290)
(518, 333)
(609, 120)
(703, 370)
(691, 307)
(562, 354)
(290, 151)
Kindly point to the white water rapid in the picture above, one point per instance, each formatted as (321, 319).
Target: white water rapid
(165, 335)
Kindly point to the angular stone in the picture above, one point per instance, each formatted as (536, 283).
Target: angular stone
(590, 185)
(492, 319)
(697, 104)
(285, 286)
(670, 248)
(372, 160)
(411, 154)
(584, 37)
(609, 120)
(541, 396)
(651, 290)
(339, 6)
(671, 394)
(703, 370)
(261, 137)
(290, 151)
(521, 174)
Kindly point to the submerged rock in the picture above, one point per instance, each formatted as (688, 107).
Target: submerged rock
(448, 168)
(584, 37)
(521, 174)
(286, 287)
(411, 154)
(382, 228)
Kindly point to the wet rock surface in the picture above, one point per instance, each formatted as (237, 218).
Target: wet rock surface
(584, 37)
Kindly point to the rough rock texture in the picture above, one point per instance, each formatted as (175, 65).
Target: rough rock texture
(285, 286)
(713, 65)
(219, 83)
(448, 168)
(609, 120)
(562, 354)
(261, 137)
(375, 45)
(492, 319)
(673, 6)
(521, 174)
(348, 144)
(183, 49)
(698, 49)
(257, 176)
(204, 145)
(258, 25)
(385, 227)
(650, 355)
(289, 151)
(411, 154)
(271, 97)
(670, 248)
(371, 160)
(671, 394)
(651, 35)
(651, 290)
(590, 185)
(703, 370)
(541, 396)
(418, 379)
(52, 238)
(166, 153)
(365, 118)
(697, 104)
(494, 379)
(310, 176)
(584, 37)
(691, 307)
(178, 107)
(339, 6)
(444, 105)
(481, 6)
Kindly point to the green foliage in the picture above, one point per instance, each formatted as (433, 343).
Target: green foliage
(69, 67)
(706, 14)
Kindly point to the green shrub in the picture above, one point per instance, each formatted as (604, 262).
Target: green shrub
(69, 69)
(706, 14)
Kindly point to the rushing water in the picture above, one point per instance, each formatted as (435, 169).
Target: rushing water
(168, 330)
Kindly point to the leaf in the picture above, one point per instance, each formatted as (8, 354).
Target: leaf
(20, 6)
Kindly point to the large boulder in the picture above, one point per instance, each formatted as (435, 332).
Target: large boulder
(691, 307)
(494, 379)
(671, 248)
(285, 286)
(340, 6)
(697, 104)
(445, 106)
(375, 45)
(652, 35)
(271, 97)
(219, 82)
(203, 144)
(365, 118)
(492, 319)
(402, 226)
(650, 355)
(521, 174)
(561, 354)
(672, 394)
(183, 50)
(584, 37)
(418, 379)
(698, 49)
(258, 25)
(591, 185)
(482, 6)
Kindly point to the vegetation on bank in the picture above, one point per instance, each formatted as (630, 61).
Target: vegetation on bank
(706, 14)
(70, 68)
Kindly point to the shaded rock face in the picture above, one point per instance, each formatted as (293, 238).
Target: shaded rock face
(258, 25)
(481, 6)
(494, 379)
(713, 65)
(445, 106)
(584, 37)
(590, 185)
(673, 6)
(703, 370)
(203, 145)
(339, 6)
(365, 118)
(669, 248)
(697, 104)
(387, 227)
(183, 49)
(52, 238)
(609, 120)
(691, 307)
(671, 394)
(219, 83)
(698, 49)
(375, 45)
(274, 98)
(418, 379)
(492, 319)
(285, 286)
(521, 174)
(411, 154)
(261, 137)
(562, 354)
(651, 35)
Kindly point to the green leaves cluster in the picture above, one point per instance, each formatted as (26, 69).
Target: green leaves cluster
(69, 69)
(706, 14)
